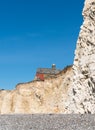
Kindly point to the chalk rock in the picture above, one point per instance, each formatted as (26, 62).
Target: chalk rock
(70, 91)
(82, 94)
(39, 96)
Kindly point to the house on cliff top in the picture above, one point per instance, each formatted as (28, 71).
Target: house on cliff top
(44, 73)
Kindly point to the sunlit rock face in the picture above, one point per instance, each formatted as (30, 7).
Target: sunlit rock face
(82, 95)
(71, 91)
(46, 96)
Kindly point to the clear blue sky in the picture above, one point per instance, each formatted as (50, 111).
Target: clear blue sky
(36, 33)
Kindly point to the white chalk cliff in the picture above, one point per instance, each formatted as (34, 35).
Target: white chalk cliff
(71, 91)
(82, 93)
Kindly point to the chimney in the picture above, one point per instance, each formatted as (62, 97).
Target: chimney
(53, 66)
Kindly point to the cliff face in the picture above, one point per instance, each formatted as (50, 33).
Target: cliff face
(82, 95)
(39, 96)
(71, 91)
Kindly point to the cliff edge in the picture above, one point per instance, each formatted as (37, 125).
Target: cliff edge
(46, 96)
(70, 91)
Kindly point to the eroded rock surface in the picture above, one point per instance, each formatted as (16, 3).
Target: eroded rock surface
(82, 95)
(39, 96)
(71, 91)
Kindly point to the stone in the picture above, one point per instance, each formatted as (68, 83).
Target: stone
(71, 91)
(38, 96)
(83, 100)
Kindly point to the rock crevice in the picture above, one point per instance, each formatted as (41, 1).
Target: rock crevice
(71, 91)
(82, 99)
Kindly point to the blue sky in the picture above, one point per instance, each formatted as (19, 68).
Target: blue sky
(36, 33)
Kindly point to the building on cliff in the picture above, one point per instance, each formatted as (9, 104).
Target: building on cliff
(43, 73)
